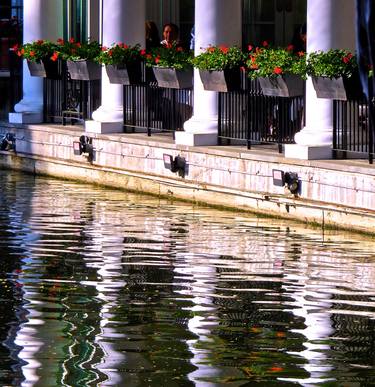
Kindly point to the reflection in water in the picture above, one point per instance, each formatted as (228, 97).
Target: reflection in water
(101, 287)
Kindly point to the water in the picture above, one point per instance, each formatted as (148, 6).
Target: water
(103, 288)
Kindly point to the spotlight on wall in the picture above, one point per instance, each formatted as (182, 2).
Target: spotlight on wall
(292, 182)
(176, 164)
(84, 146)
(8, 142)
(286, 179)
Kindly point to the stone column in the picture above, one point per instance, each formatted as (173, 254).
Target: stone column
(123, 21)
(324, 32)
(39, 22)
(216, 22)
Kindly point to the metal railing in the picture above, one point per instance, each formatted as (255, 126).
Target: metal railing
(150, 108)
(249, 116)
(353, 130)
(70, 100)
(10, 85)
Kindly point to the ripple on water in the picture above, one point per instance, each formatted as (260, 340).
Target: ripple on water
(102, 287)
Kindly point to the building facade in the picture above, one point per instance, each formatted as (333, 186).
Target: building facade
(237, 22)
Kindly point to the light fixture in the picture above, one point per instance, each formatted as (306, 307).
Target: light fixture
(176, 164)
(286, 179)
(8, 142)
(84, 146)
(292, 182)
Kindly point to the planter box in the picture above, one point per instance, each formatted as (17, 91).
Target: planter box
(173, 79)
(84, 70)
(282, 86)
(223, 81)
(341, 88)
(130, 74)
(45, 68)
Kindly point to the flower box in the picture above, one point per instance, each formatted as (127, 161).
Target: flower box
(341, 88)
(223, 81)
(172, 78)
(45, 68)
(287, 85)
(126, 74)
(84, 70)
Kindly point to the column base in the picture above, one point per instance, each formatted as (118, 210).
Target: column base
(26, 118)
(307, 152)
(103, 127)
(195, 139)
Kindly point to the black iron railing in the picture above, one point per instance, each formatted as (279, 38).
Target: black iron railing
(353, 131)
(156, 109)
(70, 100)
(10, 85)
(249, 116)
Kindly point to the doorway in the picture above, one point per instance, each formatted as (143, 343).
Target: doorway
(272, 20)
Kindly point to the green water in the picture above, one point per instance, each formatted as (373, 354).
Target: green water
(103, 288)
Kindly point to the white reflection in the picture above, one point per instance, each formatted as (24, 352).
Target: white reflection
(203, 279)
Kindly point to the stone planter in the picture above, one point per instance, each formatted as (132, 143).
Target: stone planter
(172, 78)
(341, 88)
(84, 70)
(126, 74)
(223, 81)
(45, 68)
(282, 86)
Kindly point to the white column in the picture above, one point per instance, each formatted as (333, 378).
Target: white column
(123, 21)
(39, 22)
(216, 22)
(324, 32)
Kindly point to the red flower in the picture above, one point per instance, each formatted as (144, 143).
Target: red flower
(278, 70)
(143, 52)
(40, 41)
(157, 60)
(290, 47)
(179, 49)
(60, 41)
(211, 49)
(249, 47)
(300, 53)
(265, 43)
(32, 53)
(78, 44)
(254, 66)
(71, 40)
(224, 49)
(275, 369)
(55, 56)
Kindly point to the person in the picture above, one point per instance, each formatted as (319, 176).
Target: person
(152, 35)
(299, 39)
(170, 35)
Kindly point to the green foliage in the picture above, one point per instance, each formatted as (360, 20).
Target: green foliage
(332, 63)
(121, 54)
(172, 56)
(271, 62)
(36, 50)
(219, 58)
(72, 50)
